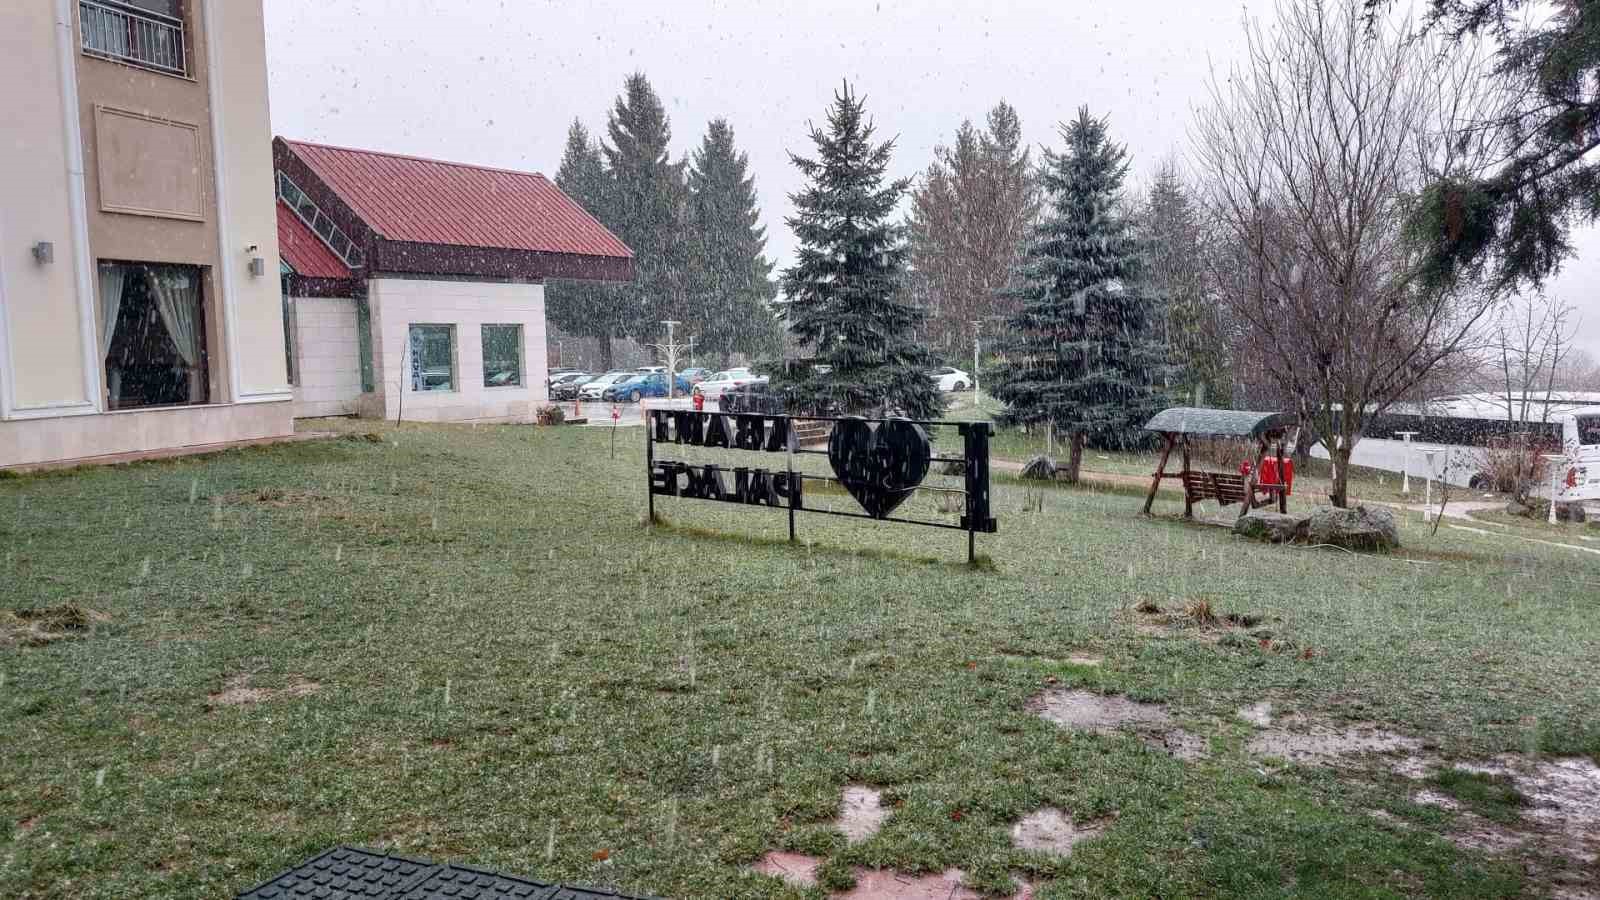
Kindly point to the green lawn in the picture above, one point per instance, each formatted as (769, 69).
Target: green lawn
(481, 654)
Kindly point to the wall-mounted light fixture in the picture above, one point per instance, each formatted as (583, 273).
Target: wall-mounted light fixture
(44, 253)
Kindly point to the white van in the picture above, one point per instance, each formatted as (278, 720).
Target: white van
(1579, 478)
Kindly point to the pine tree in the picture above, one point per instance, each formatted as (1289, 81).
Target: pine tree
(845, 290)
(731, 298)
(647, 209)
(580, 308)
(1194, 327)
(1084, 355)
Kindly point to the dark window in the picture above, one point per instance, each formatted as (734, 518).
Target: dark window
(502, 355)
(153, 334)
(433, 357)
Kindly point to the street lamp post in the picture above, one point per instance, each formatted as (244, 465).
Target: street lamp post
(672, 358)
(1427, 503)
(1405, 467)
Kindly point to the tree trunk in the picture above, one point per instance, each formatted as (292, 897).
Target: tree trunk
(1074, 457)
(605, 354)
(1339, 494)
(1303, 442)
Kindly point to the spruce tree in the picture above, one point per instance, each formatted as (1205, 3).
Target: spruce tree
(582, 308)
(846, 301)
(731, 308)
(1084, 354)
(1175, 244)
(647, 209)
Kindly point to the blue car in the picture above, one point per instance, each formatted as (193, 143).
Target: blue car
(653, 384)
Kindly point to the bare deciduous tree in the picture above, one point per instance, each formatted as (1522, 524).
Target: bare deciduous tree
(1533, 339)
(1311, 153)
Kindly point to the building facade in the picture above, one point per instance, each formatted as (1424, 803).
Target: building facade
(140, 308)
(414, 288)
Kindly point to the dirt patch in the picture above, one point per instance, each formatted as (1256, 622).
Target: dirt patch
(1184, 745)
(1050, 830)
(885, 884)
(41, 626)
(1085, 660)
(1414, 767)
(861, 813)
(1107, 713)
(1321, 743)
(1257, 714)
(1436, 798)
(795, 868)
(1103, 713)
(236, 691)
(877, 884)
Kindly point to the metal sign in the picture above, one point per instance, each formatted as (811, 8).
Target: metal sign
(879, 462)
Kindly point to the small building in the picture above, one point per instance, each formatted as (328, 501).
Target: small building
(414, 288)
(138, 308)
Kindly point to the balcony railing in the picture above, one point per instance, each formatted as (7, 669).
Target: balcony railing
(124, 33)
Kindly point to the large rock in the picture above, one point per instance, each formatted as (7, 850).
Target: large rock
(1040, 468)
(1361, 528)
(1273, 527)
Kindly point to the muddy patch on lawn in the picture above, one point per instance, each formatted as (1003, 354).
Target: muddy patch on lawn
(1318, 743)
(1052, 831)
(1109, 713)
(861, 813)
(795, 868)
(237, 691)
(1103, 713)
(877, 884)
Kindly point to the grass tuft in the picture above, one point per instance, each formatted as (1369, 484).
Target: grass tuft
(1495, 797)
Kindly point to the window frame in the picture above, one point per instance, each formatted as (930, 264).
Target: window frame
(183, 22)
(206, 332)
(521, 354)
(455, 360)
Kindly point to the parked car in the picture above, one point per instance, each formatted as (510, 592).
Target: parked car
(650, 370)
(593, 389)
(753, 397)
(695, 375)
(559, 371)
(949, 379)
(711, 389)
(566, 388)
(641, 386)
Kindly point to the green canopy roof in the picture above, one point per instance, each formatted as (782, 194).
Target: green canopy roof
(1220, 422)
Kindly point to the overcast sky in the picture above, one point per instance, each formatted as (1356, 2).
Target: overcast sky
(496, 82)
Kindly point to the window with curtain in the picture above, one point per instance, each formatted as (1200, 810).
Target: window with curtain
(152, 330)
(432, 352)
(502, 355)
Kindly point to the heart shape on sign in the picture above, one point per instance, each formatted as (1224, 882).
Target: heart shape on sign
(881, 466)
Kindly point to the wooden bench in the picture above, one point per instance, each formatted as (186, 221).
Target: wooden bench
(1227, 488)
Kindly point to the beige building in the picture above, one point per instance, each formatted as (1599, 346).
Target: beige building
(140, 304)
(414, 288)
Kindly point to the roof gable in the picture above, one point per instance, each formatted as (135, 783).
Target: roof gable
(407, 199)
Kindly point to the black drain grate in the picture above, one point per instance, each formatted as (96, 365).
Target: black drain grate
(351, 873)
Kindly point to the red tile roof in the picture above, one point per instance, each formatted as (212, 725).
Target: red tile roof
(406, 198)
(303, 250)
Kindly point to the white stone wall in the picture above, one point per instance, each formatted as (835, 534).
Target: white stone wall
(327, 357)
(398, 303)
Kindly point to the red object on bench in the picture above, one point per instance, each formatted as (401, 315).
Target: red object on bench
(1269, 473)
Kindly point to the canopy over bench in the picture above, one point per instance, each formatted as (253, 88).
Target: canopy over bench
(1267, 429)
